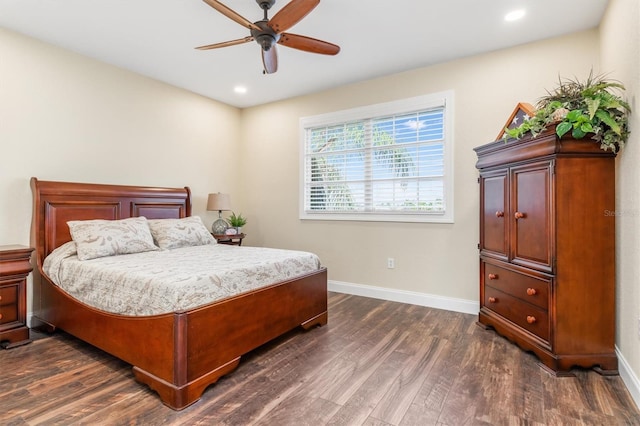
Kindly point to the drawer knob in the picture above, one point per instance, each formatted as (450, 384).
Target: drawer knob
(0, 316)
(0, 297)
(518, 215)
(499, 214)
(493, 277)
(532, 291)
(531, 319)
(492, 300)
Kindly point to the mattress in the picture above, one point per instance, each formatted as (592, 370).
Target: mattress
(158, 282)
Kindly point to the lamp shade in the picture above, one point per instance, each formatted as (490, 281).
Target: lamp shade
(218, 202)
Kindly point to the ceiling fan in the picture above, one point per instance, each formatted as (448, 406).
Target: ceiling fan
(268, 32)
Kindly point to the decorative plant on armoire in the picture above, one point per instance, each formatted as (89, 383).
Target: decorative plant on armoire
(590, 108)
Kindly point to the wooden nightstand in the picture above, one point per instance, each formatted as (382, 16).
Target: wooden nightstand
(14, 269)
(232, 240)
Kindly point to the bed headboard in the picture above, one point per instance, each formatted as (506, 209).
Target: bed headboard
(55, 203)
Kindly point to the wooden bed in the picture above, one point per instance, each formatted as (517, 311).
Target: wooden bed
(177, 354)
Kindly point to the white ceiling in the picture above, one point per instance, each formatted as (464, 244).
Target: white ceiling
(156, 38)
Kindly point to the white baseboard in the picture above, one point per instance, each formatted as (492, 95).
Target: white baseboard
(629, 377)
(403, 296)
(31, 322)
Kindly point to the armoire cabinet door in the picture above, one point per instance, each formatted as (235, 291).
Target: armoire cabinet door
(531, 216)
(494, 208)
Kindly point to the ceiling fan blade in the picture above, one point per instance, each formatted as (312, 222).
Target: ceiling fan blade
(291, 14)
(232, 14)
(225, 43)
(308, 44)
(270, 60)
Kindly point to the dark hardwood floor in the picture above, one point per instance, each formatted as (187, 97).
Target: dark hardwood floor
(375, 363)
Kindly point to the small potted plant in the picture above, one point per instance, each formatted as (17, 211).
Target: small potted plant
(589, 108)
(237, 221)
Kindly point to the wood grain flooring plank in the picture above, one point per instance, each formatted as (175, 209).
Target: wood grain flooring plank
(382, 314)
(372, 421)
(604, 392)
(261, 403)
(359, 406)
(466, 393)
(75, 412)
(527, 400)
(342, 383)
(277, 391)
(16, 412)
(299, 411)
(498, 383)
(278, 383)
(63, 388)
(423, 326)
(133, 407)
(565, 396)
(301, 343)
(406, 386)
(30, 356)
(429, 402)
(330, 378)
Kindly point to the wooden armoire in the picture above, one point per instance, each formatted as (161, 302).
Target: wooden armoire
(547, 249)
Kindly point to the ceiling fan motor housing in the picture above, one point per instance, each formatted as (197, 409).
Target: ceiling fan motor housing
(266, 37)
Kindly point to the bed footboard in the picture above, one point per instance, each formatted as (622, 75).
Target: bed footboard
(212, 339)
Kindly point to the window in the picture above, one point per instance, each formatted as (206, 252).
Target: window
(384, 162)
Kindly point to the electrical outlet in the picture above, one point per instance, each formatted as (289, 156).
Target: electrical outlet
(391, 263)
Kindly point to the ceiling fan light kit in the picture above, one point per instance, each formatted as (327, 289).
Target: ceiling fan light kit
(269, 32)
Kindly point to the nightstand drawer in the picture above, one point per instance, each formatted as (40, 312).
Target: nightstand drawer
(14, 268)
(523, 314)
(527, 288)
(8, 295)
(8, 313)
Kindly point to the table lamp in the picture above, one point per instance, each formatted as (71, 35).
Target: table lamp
(219, 202)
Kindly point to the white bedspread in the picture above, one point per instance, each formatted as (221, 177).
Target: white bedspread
(158, 282)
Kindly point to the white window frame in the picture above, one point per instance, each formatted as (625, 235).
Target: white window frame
(441, 99)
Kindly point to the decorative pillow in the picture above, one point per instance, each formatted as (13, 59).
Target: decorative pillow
(100, 238)
(175, 233)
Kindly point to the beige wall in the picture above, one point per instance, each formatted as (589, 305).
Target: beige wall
(620, 55)
(66, 117)
(438, 259)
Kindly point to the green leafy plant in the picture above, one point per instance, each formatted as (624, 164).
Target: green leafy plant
(237, 221)
(584, 108)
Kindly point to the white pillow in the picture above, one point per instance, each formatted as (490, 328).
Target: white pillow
(176, 233)
(100, 238)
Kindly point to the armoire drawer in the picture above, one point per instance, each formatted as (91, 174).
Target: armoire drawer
(525, 287)
(525, 315)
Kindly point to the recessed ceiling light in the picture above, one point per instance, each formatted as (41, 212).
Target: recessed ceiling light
(240, 89)
(514, 15)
